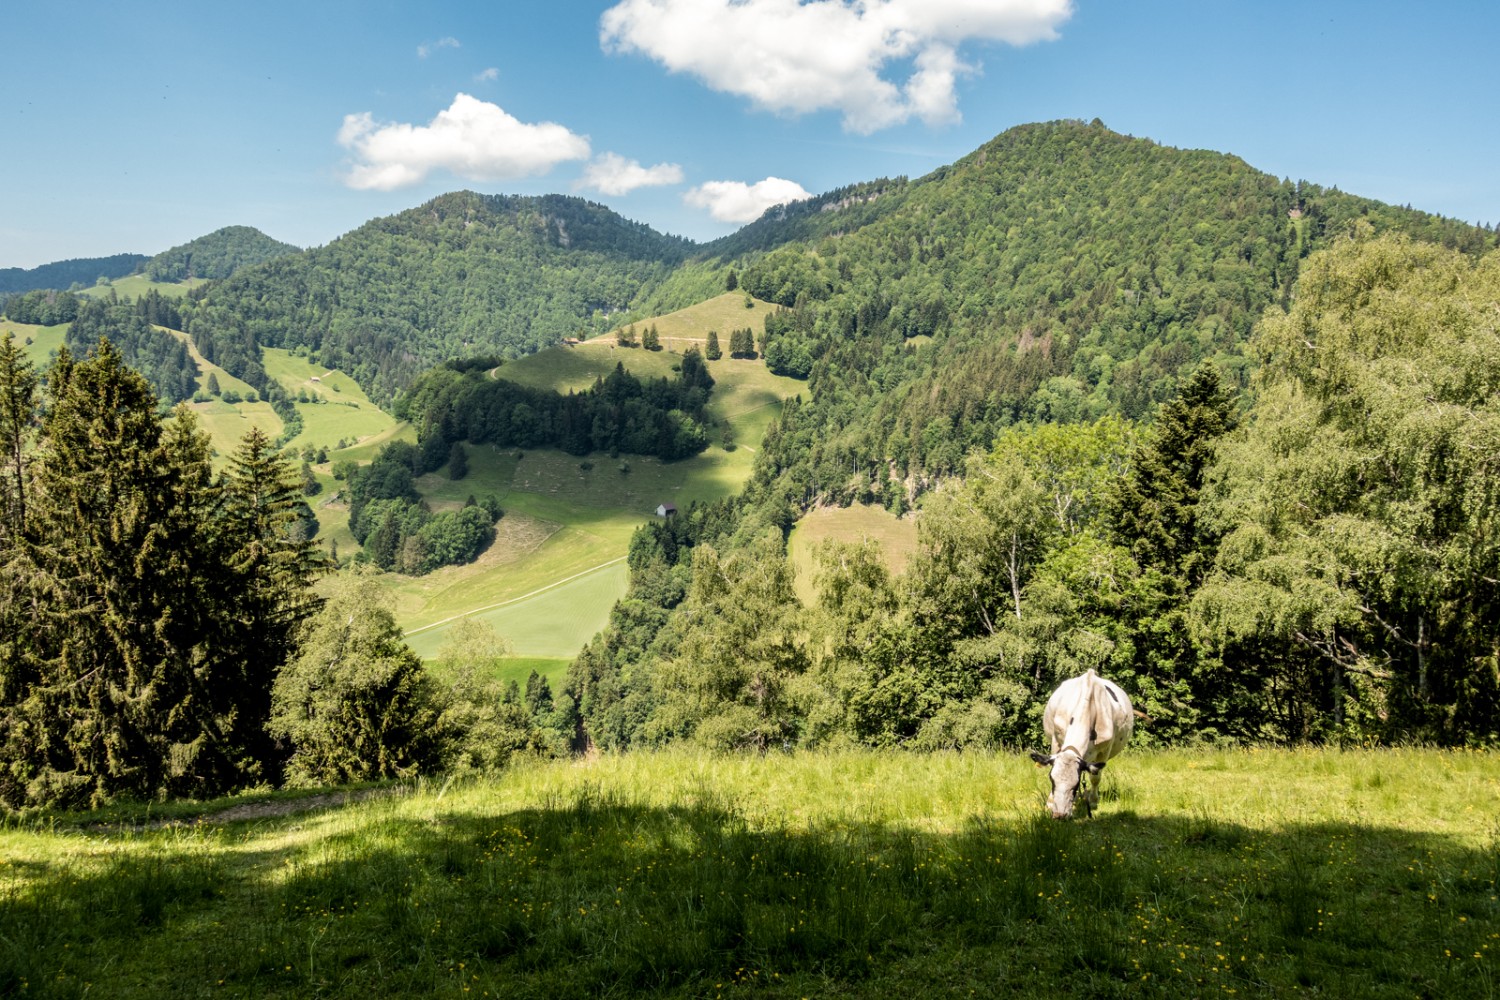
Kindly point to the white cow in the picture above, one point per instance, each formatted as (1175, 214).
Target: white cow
(1088, 720)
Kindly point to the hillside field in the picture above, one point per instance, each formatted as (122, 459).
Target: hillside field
(556, 567)
(38, 343)
(133, 286)
(1350, 874)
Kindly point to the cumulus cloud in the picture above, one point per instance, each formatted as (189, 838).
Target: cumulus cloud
(798, 56)
(736, 201)
(428, 48)
(613, 174)
(486, 75)
(472, 138)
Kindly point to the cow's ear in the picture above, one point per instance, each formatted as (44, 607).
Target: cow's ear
(1042, 759)
(1094, 767)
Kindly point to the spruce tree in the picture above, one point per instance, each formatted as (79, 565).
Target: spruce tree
(18, 385)
(114, 549)
(1154, 508)
(154, 601)
(270, 563)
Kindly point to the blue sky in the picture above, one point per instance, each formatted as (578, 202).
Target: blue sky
(132, 128)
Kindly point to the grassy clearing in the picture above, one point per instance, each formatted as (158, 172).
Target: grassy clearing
(38, 343)
(339, 410)
(553, 623)
(1340, 874)
(895, 537)
(133, 286)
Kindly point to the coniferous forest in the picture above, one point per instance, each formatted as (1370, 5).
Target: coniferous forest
(1227, 439)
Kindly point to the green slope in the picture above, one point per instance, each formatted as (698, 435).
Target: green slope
(463, 275)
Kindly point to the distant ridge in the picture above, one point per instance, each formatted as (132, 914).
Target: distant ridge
(462, 275)
(64, 274)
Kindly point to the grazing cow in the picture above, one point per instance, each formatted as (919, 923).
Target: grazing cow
(1088, 720)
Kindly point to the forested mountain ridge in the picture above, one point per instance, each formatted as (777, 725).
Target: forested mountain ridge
(464, 274)
(217, 255)
(1063, 272)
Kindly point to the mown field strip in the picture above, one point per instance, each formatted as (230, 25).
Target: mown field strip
(514, 600)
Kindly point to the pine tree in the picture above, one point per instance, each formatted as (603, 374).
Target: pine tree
(157, 602)
(271, 564)
(458, 461)
(712, 350)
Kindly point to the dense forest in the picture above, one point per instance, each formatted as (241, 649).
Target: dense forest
(132, 326)
(1077, 307)
(464, 274)
(619, 413)
(217, 255)
(1316, 558)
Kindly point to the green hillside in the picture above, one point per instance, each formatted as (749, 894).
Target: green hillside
(133, 286)
(217, 255)
(992, 344)
(569, 519)
(65, 274)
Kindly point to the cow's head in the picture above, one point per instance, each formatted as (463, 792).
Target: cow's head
(1067, 774)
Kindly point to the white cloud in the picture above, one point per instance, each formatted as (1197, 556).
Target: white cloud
(486, 75)
(798, 56)
(736, 201)
(472, 138)
(428, 48)
(613, 174)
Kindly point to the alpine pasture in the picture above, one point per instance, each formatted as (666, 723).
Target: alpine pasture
(556, 567)
(1359, 873)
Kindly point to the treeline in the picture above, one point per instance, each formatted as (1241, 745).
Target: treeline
(619, 413)
(159, 635)
(42, 307)
(464, 274)
(1315, 561)
(217, 255)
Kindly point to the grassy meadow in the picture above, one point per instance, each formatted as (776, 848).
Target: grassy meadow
(1359, 874)
(37, 343)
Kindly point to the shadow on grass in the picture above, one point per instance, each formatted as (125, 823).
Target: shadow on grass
(599, 896)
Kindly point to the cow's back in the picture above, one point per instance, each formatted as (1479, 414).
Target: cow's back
(1090, 714)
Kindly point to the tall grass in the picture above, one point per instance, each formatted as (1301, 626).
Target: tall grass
(850, 874)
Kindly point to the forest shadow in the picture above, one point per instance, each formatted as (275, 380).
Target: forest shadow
(599, 894)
